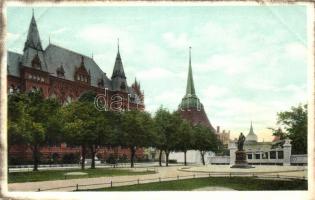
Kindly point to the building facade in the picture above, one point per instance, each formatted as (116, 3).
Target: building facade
(65, 75)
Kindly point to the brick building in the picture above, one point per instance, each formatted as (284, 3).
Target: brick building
(65, 75)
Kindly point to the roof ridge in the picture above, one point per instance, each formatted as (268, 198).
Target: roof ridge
(80, 54)
(63, 48)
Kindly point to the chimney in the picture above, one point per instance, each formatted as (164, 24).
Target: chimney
(218, 129)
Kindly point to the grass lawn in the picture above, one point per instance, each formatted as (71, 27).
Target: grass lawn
(47, 175)
(236, 183)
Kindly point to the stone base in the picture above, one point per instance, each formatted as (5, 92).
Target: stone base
(240, 161)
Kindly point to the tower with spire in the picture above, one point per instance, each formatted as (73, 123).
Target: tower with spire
(251, 137)
(119, 80)
(190, 107)
(33, 53)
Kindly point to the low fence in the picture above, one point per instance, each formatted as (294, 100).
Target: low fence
(294, 160)
(219, 160)
(14, 168)
(111, 184)
(298, 159)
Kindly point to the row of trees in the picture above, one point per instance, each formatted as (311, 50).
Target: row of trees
(35, 121)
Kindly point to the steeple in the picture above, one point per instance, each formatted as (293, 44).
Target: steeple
(33, 39)
(251, 136)
(251, 130)
(118, 67)
(190, 89)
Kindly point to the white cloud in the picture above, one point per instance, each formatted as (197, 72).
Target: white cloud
(99, 34)
(230, 64)
(296, 50)
(153, 74)
(178, 41)
(213, 92)
(13, 36)
(59, 31)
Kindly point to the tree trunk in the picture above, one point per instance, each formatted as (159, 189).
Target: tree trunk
(83, 153)
(160, 158)
(185, 162)
(133, 152)
(35, 158)
(203, 157)
(167, 153)
(93, 152)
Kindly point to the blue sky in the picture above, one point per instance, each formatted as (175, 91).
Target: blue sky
(249, 62)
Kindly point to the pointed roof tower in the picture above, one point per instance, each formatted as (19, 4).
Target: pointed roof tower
(191, 108)
(119, 82)
(33, 54)
(118, 67)
(251, 136)
(33, 39)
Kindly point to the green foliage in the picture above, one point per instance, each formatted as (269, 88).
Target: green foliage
(294, 123)
(31, 121)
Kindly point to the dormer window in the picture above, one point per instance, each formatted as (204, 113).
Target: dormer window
(81, 73)
(60, 72)
(123, 86)
(36, 62)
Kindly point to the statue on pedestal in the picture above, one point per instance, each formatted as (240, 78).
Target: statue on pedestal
(240, 154)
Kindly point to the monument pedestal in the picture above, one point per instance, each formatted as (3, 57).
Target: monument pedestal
(240, 161)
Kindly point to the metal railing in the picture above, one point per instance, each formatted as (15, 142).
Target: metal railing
(111, 184)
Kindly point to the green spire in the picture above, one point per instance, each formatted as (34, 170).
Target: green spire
(190, 89)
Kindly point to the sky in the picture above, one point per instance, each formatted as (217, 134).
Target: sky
(249, 62)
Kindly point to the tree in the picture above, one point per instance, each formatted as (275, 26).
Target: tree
(185, 138)
(205, 140)
(102, 133)
(101, 129)
(167, 128)
(159, 122)
(79, 125)
(294, 123)
(136, 130)
(30, 118)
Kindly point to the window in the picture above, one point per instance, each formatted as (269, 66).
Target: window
(272, 155)
(257, 156)
(265, 155)
(280, 154)
(42, 79)
(249, 156)
(78, 77)
(30, 76)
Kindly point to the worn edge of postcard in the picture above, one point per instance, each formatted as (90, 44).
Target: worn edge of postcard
(114, 195)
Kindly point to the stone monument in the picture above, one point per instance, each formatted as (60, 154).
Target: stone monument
(240, 154)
